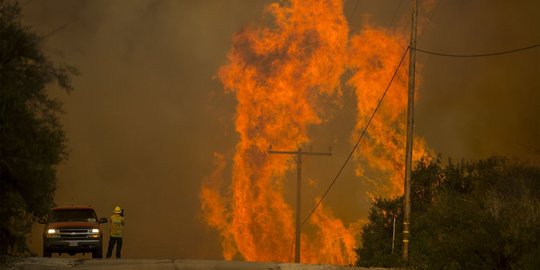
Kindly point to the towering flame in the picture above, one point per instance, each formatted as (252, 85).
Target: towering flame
(280, 73)
(380, 52)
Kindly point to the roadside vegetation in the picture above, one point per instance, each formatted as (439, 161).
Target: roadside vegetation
(32, 140)
(481, 214)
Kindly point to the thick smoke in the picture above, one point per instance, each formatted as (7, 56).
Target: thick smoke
(148, 114)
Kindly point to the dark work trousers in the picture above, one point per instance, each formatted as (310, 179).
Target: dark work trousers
(118, 242)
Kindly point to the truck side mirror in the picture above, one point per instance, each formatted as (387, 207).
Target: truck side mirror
(42, 221)
(103, 220)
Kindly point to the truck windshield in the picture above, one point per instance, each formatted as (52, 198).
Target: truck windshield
(68, 215)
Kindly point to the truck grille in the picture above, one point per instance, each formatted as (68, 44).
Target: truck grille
(74, 233)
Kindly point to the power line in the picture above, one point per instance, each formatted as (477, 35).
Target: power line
(393, 17)
(435, 9)
(395, 14)
(56, 30)
(354, 9)
(481, 54)
(299, 153)
(359, 139)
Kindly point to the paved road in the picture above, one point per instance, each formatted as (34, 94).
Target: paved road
(38, 263)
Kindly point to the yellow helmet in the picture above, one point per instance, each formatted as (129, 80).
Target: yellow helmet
(117, 210)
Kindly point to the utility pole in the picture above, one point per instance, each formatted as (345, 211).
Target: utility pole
(299, 153)
(394, 234)
(410, 126)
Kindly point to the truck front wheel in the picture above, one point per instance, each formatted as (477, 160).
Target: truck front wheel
(98, 254)
(46, 252)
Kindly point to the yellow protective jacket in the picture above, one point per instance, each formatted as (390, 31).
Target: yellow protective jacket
(117, 225)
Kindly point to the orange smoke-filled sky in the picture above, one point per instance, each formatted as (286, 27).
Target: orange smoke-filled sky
(149, 112)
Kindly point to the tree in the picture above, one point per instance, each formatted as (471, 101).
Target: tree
(486, 216)
(32, 140)
(377, 234)
(376, 247)
(472, 215)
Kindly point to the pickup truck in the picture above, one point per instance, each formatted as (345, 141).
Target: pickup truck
(71, 230)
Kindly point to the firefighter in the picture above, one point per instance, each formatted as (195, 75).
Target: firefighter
(117, 225)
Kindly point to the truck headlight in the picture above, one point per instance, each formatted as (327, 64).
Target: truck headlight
(53, 233)
(94, 233)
